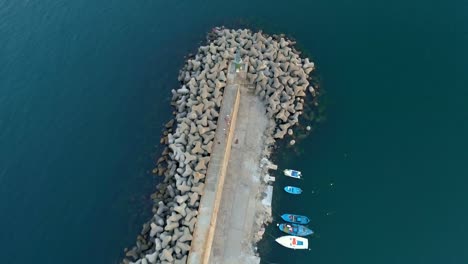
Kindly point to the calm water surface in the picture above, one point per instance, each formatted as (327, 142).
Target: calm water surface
(84, 93)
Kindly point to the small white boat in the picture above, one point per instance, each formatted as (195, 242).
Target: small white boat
(293, 242)
(293, 173)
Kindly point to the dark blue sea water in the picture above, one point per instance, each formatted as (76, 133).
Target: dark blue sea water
(84, 93)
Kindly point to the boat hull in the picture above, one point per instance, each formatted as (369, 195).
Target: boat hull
(293, 242)
(295, 219)
(293, 174)
(295, 229)
(293, 190)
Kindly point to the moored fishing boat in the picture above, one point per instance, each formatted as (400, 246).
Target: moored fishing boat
(293, 242)
(293, 173)
(295, 229)
(296, 219)
(293, 190)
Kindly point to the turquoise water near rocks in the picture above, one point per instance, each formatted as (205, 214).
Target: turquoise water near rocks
(84, 93)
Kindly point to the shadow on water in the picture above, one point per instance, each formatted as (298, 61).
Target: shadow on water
(285, 156)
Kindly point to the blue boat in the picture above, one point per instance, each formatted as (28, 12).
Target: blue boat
(295, 229)
(296, 219)
(293, 190)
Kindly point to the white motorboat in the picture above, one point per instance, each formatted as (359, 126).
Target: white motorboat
(293, 173)
(293, 242)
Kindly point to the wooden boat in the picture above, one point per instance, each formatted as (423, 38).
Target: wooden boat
(293, 190)
(293, 242)
(293, 173)
(296, 219)
(295, 229)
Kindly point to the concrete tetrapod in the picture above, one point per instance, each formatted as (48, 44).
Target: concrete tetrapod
(277, 74)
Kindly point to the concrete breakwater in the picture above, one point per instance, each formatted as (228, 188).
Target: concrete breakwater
(275, 73)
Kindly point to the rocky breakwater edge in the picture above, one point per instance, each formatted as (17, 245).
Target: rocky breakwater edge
(276, 73)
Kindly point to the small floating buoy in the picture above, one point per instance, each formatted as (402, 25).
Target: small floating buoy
(308, 128)
(292, 142)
